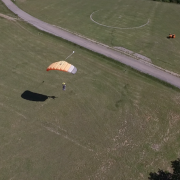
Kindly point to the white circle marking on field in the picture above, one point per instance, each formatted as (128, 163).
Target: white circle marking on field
(114, 26)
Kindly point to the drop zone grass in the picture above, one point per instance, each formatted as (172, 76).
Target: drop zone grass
(111, 123)
(150, 41)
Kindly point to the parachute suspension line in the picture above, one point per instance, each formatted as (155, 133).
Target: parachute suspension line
(63, 66)
(70, 55)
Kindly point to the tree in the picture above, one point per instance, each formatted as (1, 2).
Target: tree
(165, 175)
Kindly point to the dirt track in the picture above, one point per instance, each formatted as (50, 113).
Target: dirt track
(7, 17)
(95, 47)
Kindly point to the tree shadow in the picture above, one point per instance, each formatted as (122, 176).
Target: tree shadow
(165, 175)
(31, 96)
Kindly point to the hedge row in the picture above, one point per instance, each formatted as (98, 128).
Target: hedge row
(173, 1)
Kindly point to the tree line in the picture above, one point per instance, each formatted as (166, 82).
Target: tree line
(170, 1)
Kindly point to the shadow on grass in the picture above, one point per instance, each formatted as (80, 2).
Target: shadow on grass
(31, 96)
(165, 175)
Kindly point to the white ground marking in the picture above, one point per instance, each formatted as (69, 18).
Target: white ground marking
(66, 137)
(20, 114)
(114, 26)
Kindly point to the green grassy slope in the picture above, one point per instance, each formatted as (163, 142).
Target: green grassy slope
(110, 123)
(150, 40)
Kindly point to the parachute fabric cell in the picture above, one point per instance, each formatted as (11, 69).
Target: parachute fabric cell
(62, 66)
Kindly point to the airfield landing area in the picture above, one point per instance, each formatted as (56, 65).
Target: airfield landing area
(110, 53)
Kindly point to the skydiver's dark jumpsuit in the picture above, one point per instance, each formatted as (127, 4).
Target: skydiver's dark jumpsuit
(64, 87)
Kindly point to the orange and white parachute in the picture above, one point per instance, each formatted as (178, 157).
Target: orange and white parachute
(62, 66)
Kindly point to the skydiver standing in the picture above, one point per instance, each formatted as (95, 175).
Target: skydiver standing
(64, 86)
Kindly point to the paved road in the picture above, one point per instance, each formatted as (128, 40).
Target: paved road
(108, 52)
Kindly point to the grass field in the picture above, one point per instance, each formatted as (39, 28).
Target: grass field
(150, 40)
(111, 123)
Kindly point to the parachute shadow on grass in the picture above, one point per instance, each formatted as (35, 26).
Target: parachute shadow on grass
(32, 96)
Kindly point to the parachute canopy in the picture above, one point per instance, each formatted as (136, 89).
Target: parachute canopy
(62, 66)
